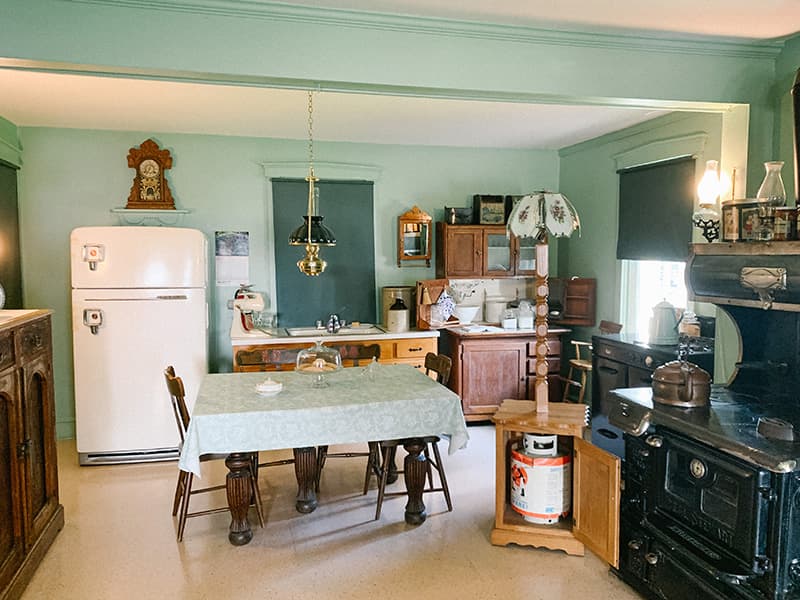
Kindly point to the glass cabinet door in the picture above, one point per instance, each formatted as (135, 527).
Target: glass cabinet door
(497, 253)
(526, 256)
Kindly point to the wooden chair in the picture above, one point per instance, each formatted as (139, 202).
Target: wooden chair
(583, 364)
(183, 490)
(441, 365)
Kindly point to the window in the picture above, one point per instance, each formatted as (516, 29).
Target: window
(655, 208)
(645, 283)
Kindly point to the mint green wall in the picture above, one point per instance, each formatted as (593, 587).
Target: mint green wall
(589, 179)
(10, 151)
(72, 178)
(264, 42)
(259, 43)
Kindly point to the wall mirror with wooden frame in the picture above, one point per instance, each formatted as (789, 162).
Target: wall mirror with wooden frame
(414, 237)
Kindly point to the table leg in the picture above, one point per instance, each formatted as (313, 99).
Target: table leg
(305, 469)
(237, 485)
(415, 472)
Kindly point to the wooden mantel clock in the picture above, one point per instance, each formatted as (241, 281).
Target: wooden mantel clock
(150, 188)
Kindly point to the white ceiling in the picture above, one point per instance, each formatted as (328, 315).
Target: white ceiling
(756, 19)
(91, 102)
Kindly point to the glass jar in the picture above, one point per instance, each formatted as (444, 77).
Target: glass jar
(772, 190)
(318, 361)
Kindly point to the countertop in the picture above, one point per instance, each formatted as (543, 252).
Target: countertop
(278, 335)
(488, 330)
(12, 317)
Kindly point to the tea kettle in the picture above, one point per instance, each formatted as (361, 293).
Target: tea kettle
(681, 383)
(664, 324)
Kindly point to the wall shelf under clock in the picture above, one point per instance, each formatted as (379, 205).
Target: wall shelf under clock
(149, 216)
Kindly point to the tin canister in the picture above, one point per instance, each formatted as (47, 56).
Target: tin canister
(541, 486)
(785, 224)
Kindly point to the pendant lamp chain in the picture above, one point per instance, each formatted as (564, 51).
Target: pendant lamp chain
(311, 177)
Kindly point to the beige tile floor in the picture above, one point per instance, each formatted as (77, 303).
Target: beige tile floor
(119, 541)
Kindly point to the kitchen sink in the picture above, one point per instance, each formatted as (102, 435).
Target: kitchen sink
(362, 329)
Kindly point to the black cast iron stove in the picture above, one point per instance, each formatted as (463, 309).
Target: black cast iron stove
(711, 500)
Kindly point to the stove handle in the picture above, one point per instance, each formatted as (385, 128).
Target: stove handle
(607, 433)
(656, 441)
(652, 558)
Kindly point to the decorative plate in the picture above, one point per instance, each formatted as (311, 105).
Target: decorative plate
(560, 216)
(524, 218)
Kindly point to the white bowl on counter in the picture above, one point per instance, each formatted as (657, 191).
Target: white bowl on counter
(465, 313)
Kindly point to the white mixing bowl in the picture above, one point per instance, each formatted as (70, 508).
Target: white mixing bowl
(466, 314)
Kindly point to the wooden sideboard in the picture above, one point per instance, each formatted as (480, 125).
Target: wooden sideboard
(489, 368)
(30, 514)
(280, 355)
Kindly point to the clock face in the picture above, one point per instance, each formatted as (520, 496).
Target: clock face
(149, 168)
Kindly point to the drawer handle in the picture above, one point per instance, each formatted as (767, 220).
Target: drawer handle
(418, 349)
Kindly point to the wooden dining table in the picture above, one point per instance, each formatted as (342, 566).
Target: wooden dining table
(380, 402)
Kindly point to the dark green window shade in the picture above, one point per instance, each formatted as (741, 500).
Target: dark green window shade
(347, 287)
(655, 210)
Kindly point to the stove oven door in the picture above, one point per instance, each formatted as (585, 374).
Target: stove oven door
(713, 503)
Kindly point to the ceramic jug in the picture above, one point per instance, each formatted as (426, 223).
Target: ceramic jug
(664, 324)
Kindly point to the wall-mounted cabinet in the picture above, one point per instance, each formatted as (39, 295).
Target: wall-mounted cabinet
(473, 251)
(577, 300)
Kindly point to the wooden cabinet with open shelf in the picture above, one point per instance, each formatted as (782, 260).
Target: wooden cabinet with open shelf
(595, 484)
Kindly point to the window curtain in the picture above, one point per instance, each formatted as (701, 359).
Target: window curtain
(656, 203)
(347, 287)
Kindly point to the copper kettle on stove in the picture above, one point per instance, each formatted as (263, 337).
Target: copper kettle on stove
(682, 384)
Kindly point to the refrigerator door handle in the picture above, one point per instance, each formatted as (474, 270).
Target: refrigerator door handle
(93, 319)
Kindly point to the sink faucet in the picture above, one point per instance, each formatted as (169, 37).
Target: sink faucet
(333, 324)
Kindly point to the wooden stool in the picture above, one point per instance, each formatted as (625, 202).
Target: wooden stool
(584, 364)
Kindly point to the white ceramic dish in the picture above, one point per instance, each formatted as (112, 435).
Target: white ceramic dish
(269, 387)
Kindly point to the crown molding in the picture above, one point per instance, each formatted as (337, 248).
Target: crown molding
(591, 38)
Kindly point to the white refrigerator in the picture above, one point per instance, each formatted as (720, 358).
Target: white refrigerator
(138, 305)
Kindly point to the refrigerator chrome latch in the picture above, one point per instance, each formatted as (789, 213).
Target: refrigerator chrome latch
(93, 254)
(93, 319)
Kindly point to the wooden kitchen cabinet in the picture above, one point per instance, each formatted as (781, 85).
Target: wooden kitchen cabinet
(578, 302)
(281, 356)
(488, 368)
(595, 484)
(30, 514)
(473, 251)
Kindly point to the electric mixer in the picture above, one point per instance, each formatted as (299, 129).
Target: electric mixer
(246, 303)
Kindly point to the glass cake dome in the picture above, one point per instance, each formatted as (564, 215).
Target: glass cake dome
(318, 361)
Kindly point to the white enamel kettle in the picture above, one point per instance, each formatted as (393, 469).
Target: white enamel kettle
(664, 324)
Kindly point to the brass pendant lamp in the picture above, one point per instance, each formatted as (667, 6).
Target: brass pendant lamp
(312, 233)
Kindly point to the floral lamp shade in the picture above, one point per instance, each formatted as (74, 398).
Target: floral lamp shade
(541, 212)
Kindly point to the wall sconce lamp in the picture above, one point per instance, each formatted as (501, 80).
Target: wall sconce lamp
(706, 218)
(312, 233)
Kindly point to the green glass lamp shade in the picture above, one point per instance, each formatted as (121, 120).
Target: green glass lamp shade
(320, 234)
